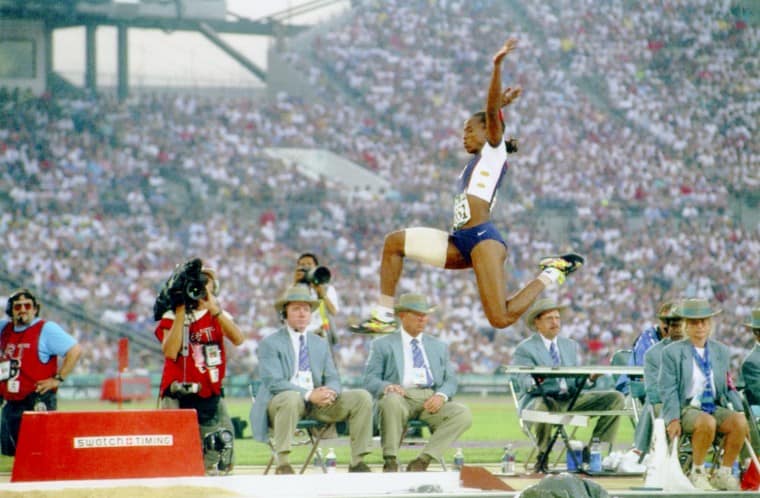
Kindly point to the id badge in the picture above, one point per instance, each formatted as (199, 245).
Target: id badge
(5, 370)
(213, 355)
(304, 380)
(419, 376)
(14, 386)
(461, 210)
(213, 375)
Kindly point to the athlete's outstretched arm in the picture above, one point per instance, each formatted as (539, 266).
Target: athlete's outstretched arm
(494, 127)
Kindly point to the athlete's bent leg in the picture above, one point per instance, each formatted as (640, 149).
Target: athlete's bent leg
(488, 263)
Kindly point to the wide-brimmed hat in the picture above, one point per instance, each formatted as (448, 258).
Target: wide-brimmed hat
(414, 302)
(296, 293)
(696, 309)
(541, 306)
(668, 311)
(755, 323)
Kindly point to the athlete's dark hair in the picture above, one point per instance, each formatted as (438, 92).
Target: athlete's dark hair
(511, 142)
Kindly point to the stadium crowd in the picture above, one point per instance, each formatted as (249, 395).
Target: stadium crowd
(103, 198)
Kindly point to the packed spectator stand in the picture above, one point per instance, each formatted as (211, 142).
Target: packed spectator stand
(635, 129)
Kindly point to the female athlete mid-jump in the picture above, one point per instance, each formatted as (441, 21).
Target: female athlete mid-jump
(474, 242)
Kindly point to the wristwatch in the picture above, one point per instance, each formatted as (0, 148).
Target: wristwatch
(58, 377)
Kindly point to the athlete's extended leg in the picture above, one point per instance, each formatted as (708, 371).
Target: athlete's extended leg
(488, 263)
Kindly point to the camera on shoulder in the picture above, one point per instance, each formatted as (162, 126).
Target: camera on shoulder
(314, 276)
(186, 285)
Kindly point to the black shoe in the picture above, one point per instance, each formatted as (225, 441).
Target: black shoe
(359, 467)
(418, 465)
(390, 465)
(284, 469)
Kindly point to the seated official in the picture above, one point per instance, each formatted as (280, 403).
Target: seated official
(751, 364)
(652, 360)
(412, 377)
(652, 335)
(299, 380)
(696, 399)
(546, 348)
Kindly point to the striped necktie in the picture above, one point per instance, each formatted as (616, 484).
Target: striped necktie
(555, 354)
(418, 361)
(303, 354)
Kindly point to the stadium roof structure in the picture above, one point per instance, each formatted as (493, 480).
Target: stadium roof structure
(321, 163)
(208, 17)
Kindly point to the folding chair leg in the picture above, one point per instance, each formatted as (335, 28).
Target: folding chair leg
(564, 449)
(271, 458)
(315, 440)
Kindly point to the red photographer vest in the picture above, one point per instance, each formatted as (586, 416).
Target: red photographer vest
(24, 347)
(204, 331)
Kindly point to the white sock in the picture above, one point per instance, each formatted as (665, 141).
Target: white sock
(550, 277)
(383, 313)
(698, 468)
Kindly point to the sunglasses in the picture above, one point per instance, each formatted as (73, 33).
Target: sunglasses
(22, 306)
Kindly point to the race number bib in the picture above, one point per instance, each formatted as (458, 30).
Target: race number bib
(14, 386)
(304, 380)
(461, 210)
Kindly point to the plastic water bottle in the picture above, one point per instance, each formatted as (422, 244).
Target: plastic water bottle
(458, 459)
(735, 470)
(595, 456)
(318, 458)
(331, 461)
(508, 461)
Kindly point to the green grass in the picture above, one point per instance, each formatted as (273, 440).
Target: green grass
(494, 424)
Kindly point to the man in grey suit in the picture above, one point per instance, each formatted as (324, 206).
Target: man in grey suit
(546, 348)
(652, 359)
(696, 397)
(751, 364)
(412, 377)
(299, 379)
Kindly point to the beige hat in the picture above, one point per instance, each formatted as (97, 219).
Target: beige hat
(668, 311)
(755, 323)
(414, 302)
(296, 293)
(541, 306)
(696, 309)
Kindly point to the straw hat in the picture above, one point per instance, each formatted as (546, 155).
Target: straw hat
(296, 293)
(414, 302)
(541, 306)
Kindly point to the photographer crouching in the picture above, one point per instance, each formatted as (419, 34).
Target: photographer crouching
(192, 327)
(317, 278)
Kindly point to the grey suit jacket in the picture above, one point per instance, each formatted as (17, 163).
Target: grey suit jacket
(751, 375)
(385, 364)
(652, 361)
(677, 369)
(532, 352)
(277, 362)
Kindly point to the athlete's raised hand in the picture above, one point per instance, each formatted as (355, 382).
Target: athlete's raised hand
(510, 95)
(509, 46)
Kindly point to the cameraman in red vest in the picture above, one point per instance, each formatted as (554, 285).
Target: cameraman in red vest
(191, 327)
(29, 373)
